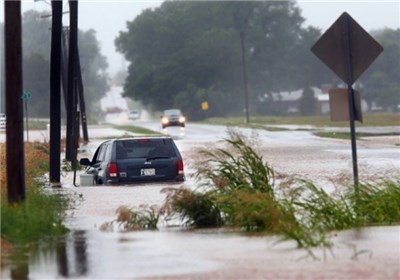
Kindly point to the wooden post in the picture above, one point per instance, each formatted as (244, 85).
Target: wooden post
(14, 107)
(55, 92)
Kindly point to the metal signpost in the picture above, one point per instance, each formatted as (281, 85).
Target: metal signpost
(26, 96)
(348, 50)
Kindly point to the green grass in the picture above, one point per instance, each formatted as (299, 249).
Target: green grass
(347, 135)
(42, 213)
(40, 216)
(318, 121)
(136, 129)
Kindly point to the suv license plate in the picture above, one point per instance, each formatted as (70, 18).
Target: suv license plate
(148, 172)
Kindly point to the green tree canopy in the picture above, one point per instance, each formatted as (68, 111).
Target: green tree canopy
(381, 83)
(184, 53)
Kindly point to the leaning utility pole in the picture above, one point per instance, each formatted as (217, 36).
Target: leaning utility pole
(14, 109)
(82, 105)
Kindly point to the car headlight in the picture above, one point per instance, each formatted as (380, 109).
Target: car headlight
(182, 119)
(165, 120)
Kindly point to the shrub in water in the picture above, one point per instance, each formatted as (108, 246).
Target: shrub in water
(195, 208)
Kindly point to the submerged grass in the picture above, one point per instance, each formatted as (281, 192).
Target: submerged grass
(378, 203)
(238, 189)
(130, 219)
(193, 208)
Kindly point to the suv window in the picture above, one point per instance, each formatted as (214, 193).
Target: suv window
(102, 153)
(144, 148)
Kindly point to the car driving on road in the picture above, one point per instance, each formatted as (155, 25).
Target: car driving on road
(134, 115)
(131, 160)
(172, 117)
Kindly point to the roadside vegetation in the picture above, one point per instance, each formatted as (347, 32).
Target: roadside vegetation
(314, 121)
(347, 135)
(136, 129)
(42, 213)
(237, 189)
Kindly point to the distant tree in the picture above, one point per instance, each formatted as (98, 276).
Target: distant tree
(36, 38)
(185, 51)
(381, 83)
(307, 102)
(93, 66)
(34, 83)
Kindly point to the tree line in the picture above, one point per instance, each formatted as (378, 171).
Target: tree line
(188, 52)
(36, 40)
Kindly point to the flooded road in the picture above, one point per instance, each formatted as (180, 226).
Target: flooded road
(175, 253)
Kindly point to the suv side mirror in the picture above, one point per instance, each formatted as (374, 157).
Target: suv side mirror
(85, 161)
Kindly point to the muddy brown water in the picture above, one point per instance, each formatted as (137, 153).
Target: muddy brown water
(176, 253)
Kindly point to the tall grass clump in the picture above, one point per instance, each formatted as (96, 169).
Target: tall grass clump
(132, 219)
(193, 208)
(42, 213)
(237, 189)
(310, 214)
(40, 216)
(236, 167)
(378, 203)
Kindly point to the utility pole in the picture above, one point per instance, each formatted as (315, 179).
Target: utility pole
(55, 92)
(71, 96)
(82, 105)
(14, 108)
(246, 95)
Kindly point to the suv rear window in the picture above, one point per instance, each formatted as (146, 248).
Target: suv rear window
(144, 148)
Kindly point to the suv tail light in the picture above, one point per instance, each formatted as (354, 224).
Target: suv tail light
(180, 167)
(113, 169)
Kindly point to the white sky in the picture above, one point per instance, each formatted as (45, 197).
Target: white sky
(109, 17)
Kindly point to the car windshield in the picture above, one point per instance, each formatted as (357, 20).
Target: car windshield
(145, 148)
(172, 112)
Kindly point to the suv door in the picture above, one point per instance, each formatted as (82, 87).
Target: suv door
(99, 163)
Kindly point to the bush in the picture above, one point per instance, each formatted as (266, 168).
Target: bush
(40, 216)
(194, 208)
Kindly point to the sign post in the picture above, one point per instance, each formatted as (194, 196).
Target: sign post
(348, 50)
(26, 96)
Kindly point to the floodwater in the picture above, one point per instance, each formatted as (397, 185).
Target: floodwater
(176, 253)
(368, 253)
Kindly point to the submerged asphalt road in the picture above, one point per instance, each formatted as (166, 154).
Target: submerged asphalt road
(175, 253)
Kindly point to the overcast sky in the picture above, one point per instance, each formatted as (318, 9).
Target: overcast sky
(108, 17)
